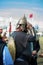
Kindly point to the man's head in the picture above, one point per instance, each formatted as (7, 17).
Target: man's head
(29, 25)
(22, 23)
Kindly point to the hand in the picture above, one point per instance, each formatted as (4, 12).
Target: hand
(34, 52)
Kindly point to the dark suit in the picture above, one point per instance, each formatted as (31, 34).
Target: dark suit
(36, 47)
(35, 44)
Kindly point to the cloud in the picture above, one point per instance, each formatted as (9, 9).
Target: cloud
(18, 13)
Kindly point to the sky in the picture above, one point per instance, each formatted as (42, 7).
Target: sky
(21, 3)
(17, 8)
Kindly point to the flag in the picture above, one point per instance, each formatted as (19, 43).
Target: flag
(31, 15)
(10, 27)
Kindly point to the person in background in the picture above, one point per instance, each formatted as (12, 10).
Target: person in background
(5, 56)
(34, 45)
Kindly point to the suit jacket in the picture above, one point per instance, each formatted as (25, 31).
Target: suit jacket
(22, 41)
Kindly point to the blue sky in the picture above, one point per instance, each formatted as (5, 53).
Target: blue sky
(21, 3)
(17, 8)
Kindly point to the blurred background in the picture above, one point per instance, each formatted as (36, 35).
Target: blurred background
(12, 10)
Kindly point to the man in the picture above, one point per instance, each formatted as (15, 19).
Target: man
(34, 45)
(23, 49)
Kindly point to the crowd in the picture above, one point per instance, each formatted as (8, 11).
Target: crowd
(21, 47)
